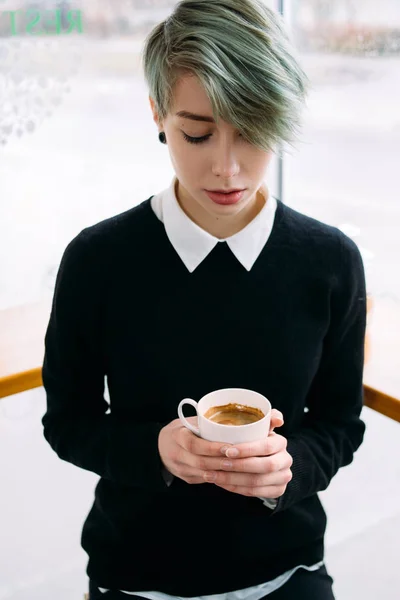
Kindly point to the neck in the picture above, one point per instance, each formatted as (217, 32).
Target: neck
(219, 227)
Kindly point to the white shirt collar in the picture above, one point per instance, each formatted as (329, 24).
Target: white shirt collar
(193, 244)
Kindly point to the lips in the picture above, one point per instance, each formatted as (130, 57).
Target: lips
(226, 191)
(225, 198)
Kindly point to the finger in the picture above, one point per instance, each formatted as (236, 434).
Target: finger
(276, 419)
(192, 420)
(200, 462)
(257, 464)
(271, 444)
(187, 472)
(192, 476)
(272, 491)
(261, 465)
(248, 479)
(196, 445)
(194, 480)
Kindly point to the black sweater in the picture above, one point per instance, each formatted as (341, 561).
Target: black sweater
(126, 308)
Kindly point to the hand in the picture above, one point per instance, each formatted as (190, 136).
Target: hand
(258, 469)
(186, 455)
(189, 457)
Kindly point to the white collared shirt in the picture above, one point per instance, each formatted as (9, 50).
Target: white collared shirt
(193, 244)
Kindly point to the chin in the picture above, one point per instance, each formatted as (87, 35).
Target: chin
(226, 209)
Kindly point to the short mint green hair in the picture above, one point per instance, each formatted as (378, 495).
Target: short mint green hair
(241, 54)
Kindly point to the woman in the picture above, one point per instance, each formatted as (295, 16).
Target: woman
(209, 284)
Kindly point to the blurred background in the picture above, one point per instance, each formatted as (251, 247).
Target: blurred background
(78, 144)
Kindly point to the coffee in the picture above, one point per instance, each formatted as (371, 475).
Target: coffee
(234, 414)
(244, 414)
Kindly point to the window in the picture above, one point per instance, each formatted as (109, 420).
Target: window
(345, 169)
(77, 138)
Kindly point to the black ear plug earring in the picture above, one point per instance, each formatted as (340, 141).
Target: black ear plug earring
(162, 138)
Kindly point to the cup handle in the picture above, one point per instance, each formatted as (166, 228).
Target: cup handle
(182, 417)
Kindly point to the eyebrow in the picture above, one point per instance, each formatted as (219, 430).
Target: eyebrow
(184, 114)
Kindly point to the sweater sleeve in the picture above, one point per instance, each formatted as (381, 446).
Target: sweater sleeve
(332, 429)
(78, 424)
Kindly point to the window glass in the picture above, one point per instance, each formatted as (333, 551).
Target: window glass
(77, 139)
(344, 171)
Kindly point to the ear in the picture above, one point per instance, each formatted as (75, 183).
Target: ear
(154, 111)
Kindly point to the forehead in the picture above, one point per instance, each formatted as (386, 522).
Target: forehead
(189, 95)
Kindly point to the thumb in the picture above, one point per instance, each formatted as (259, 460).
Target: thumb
(276, 419)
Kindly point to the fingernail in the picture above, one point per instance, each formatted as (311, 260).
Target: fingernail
(226, 464)
(224, 449)
(210, 476)
(232, 452)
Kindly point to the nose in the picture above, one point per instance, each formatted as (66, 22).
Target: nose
(225, 160)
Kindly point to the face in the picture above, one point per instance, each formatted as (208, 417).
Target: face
(208, 157)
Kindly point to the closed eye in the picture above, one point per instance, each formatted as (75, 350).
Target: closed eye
(195, 140)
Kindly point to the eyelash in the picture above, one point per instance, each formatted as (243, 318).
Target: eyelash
(196, 140)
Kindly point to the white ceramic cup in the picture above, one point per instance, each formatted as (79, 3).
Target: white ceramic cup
(231, 434)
